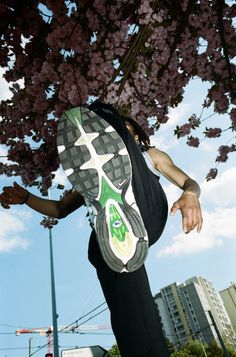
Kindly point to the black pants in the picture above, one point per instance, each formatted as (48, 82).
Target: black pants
(134, 316)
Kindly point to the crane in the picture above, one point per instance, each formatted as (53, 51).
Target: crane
(43, 331)
(48, 331)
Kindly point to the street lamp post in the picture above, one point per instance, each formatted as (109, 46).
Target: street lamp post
(204, 351)
(30, 339)
(198, 333)
(49, 222)
(226, 353)
(54, 309)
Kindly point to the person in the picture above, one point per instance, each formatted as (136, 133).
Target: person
(134, 316)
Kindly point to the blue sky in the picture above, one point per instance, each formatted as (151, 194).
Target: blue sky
(25, 297)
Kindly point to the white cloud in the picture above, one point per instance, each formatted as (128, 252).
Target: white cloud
(221, 191)
(162, 141)
(12, 225)
(180, 113)
(218, 226)
(23, 214)
(219, 223)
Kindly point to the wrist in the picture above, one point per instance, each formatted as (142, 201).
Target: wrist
(191, 193)
(26, 198)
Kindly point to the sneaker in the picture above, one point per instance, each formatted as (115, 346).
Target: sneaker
(97, 164)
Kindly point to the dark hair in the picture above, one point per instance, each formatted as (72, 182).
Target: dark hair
(138, 130)
(143, 137)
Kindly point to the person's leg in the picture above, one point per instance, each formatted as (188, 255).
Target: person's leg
(134, 315)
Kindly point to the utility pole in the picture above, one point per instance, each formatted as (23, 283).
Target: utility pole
(226, 353)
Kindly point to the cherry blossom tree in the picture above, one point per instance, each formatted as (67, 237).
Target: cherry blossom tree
(137, 55)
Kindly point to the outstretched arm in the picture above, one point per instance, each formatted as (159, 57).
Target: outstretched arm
(18, 195)
(188, 203)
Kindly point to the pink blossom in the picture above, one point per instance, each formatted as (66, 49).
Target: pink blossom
(125, 53)
(193, 141)
(213, 132)
(233, 118)
(212, 174)
(183, 130)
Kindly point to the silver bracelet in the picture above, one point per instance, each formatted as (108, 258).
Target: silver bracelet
(190, 193)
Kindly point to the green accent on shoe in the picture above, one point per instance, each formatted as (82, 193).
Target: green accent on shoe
(108, 193)
(117, 226)
(75, 115)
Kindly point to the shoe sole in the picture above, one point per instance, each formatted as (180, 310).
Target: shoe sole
(98, 166)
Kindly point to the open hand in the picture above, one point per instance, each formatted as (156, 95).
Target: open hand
(13, 195)
(190, 208)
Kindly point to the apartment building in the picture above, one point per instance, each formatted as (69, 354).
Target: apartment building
(228, 296)
(184, 307)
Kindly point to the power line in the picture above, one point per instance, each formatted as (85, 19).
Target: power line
(72, 331)
(14, 348)
(62, 330)
(91, 333)
(92, 317)
(5, 325)
(7, 333)
(27, 348)
(80, 318)
(41, 347)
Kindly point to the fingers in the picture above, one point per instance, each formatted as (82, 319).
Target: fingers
(12, 195)
(188, 219)
(5, 205)
(8, 190)
(188, 224)
(200, 222)
(191, 213)
(16, 186)
(4, 200)
(174, 208)
(7, 195)
(185, 224)
(191, 219)
(11, 191)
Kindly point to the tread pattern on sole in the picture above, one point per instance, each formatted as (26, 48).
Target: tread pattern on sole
(97, 164)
